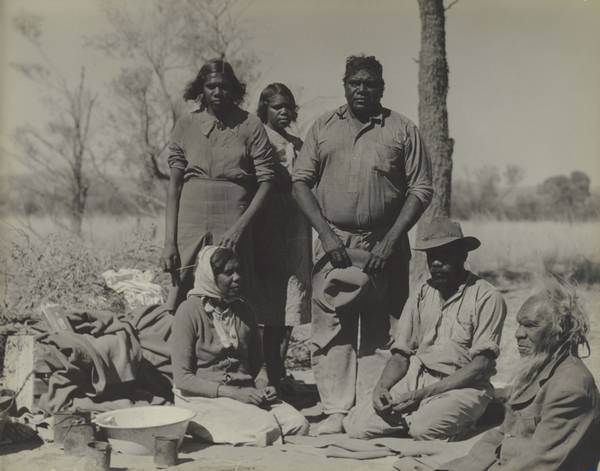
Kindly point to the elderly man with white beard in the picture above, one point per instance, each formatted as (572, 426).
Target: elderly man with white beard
(552, 417)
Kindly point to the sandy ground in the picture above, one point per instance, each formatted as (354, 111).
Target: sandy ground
(211, 458)
(37, 456)
(47, 457)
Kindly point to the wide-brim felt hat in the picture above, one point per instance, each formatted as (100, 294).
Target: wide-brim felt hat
(338, 289)
(442, 231)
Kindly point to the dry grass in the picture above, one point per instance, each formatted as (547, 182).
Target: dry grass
(512, 249)
(47, 264)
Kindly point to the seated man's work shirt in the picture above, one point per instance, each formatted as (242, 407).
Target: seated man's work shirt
(363, 173)
(446, 335)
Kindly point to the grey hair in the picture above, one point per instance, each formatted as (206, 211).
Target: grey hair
(570, 322)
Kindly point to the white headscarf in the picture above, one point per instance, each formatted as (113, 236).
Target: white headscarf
(205, 286)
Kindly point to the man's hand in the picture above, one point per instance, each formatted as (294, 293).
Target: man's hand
(406, 403)
(380, 254)
(169, 259)
(335, 250)
(269, 394)
(249, 396)
(382, 400)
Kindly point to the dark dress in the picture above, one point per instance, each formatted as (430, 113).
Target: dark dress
(283, 246)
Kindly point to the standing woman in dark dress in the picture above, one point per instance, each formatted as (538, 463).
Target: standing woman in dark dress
(221, 169)
(283, 241)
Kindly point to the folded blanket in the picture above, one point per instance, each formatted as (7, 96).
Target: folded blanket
(102, 351)
(153, 327)
(89, 365)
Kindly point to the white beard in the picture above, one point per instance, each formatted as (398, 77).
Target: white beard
(529, 369)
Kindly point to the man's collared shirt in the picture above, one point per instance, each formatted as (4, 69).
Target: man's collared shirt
(201, 146)
(447, 335)
(363, 173)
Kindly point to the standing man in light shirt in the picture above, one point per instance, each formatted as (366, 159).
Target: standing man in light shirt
(363, 179)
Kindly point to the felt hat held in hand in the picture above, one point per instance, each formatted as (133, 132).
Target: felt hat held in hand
(337, 289)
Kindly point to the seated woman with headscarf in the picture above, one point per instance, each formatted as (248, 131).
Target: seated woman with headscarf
(218, 363)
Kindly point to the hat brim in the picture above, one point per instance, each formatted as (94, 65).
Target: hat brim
(468, 242)
(358, 257)
(323, 268)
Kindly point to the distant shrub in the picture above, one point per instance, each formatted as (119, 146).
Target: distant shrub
(485, 191)
(117, 197)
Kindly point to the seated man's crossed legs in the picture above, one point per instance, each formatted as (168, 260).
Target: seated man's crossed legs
(442, 416)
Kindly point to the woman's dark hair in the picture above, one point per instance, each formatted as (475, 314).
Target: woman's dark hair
(362, 62)
(219, 259)
(195, 88)
(269, 92)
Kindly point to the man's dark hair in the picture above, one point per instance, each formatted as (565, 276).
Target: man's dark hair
(214, 66)
(362, 62)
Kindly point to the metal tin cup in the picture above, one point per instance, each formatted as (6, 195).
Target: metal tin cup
(97, 456)
(165, 451)
(63, 420)
(77, 438)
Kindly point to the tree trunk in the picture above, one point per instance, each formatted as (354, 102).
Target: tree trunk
(433, 113)
(78, 207)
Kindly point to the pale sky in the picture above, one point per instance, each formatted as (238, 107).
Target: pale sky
(524, 74)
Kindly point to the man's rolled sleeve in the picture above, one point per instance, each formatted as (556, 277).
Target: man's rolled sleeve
(261, 152)
(491, 313)
(307, 165)
(417, 168)
(406, 338)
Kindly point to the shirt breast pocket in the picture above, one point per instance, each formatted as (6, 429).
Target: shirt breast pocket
(388, 159)
(462, 330)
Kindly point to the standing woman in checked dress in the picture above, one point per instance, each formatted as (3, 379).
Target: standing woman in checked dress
(221, 169)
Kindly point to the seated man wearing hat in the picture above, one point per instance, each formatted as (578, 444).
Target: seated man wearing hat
(436, 383)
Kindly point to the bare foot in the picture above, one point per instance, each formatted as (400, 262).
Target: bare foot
(332, 424)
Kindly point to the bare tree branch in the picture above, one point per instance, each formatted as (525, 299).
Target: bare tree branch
(61, 150)
(451, 4)
(163, 49)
